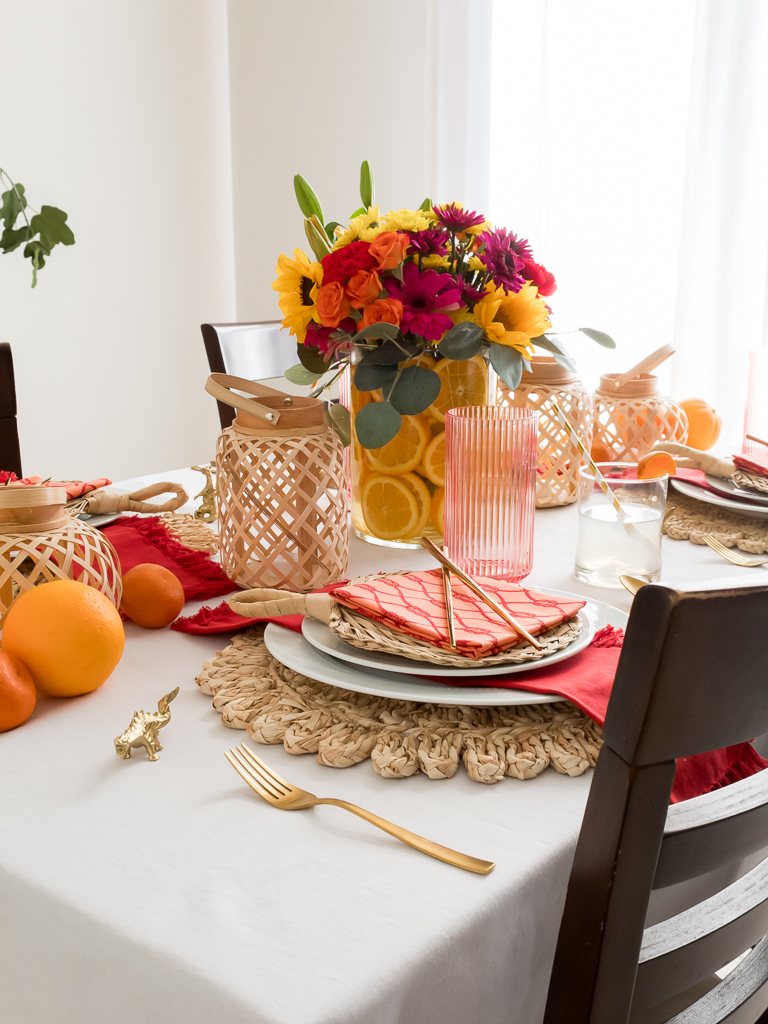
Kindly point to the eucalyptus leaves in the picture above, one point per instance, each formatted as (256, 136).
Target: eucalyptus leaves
(38, 234)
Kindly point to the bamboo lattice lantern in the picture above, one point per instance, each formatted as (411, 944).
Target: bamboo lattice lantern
(557, 461)
(282, 490)
(631, 418)
(41, 540)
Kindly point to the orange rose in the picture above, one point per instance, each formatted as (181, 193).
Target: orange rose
(332, 304)
(382, 311)
(389, 249)
(363, 287)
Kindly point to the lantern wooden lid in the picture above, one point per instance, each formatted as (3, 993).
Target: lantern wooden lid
(297, 414)
(27, 505)
(644, 386)
(546, 370)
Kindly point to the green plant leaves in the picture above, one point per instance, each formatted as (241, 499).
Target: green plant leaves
(462, 341)
(317, 238)
(14, 201)
(379, 331)
(390, 352)
(558, 351)
(12, 238)
(366, 185)
(311, 358)
(330, 229)
(37, 252)
(338, 419)
(309, 204)
(376, 424)
(299, 374)
(372, 376)
(52, 225)
(599, 336)
(508, 363)
(426, 205)
(415, 390)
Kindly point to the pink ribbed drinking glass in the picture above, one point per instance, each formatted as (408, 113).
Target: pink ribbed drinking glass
(490, 484)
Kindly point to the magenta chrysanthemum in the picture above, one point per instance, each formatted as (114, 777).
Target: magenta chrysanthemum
(432, 242)
(425, 297)
(452, 217)
(469, 294)
(504, 256)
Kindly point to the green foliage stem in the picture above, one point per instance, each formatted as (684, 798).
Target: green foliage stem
(49, 225)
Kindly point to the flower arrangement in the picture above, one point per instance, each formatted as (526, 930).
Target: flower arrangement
(439, 281)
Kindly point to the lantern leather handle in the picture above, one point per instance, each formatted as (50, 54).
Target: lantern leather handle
(645, 365)
(220, 385)
(264, 603)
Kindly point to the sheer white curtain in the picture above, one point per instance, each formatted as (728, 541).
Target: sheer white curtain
(629, 143)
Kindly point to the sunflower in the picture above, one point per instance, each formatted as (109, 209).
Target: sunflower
(407, 220)
(365, 227)
(513, 319)
(298, 281)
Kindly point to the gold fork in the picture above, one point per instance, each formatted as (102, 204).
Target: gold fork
(733, 556)
(276, 791)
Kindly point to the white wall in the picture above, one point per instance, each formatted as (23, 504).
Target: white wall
(117, 112)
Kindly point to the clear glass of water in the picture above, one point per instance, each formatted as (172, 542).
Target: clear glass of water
(609, 546)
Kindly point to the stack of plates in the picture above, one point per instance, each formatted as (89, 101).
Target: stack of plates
(320, 654)
(729, 495)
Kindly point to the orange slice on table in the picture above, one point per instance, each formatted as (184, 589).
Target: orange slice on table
(389, 507)
(434, 460)
(404, 452)
(438, 510)
(656, 464)
(464, 382)
(420, 491)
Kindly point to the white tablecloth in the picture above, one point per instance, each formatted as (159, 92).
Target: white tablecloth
(167, 891)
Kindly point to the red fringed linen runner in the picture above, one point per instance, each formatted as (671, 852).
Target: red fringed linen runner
(139, 539)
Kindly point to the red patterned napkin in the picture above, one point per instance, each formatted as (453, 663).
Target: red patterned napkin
(756, 463)
(140, 539)
(74, 488)
(586, 680)
(414, 604)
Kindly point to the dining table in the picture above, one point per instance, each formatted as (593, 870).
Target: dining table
(137, 891)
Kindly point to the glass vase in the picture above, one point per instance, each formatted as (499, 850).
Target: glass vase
(398, 491)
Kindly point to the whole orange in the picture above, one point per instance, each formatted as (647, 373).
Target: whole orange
(704, 425)
(152, 595)
(17, 692)
(67, 634)
(600, 452)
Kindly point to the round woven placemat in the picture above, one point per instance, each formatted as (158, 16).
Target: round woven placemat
(691, 519)
(368, 635)
(252, 690)
(191, 532)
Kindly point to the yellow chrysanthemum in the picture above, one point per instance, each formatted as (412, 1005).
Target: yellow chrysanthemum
(513, 319)
(435, 261)
(475, 263)
(365, 227)
(478, 229)
(407, 220)
(298, 282)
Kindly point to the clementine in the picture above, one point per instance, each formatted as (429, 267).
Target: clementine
(67, 634)
(600, 452)
(656, 464)
(152, 595)
(17, 692)
(704, 425)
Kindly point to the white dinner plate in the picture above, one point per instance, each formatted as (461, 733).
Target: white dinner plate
(295, 651)
(102, 519)
(729, 489)
(692, 491)
(324, 639)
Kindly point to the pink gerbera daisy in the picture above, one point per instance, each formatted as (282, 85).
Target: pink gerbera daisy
(426, 297)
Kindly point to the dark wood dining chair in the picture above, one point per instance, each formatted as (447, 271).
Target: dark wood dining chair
(692, 677)
(10, 453)
(255, 351)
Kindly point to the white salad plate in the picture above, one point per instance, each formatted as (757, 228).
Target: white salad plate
(742, 507)
(296, 651)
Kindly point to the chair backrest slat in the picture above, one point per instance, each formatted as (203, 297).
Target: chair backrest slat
(10, 453)
(710, 831)
(686, 949)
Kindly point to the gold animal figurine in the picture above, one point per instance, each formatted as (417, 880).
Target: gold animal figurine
(143, 730)
(207, 510)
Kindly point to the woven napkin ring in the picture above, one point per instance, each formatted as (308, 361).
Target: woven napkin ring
(264, 603)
